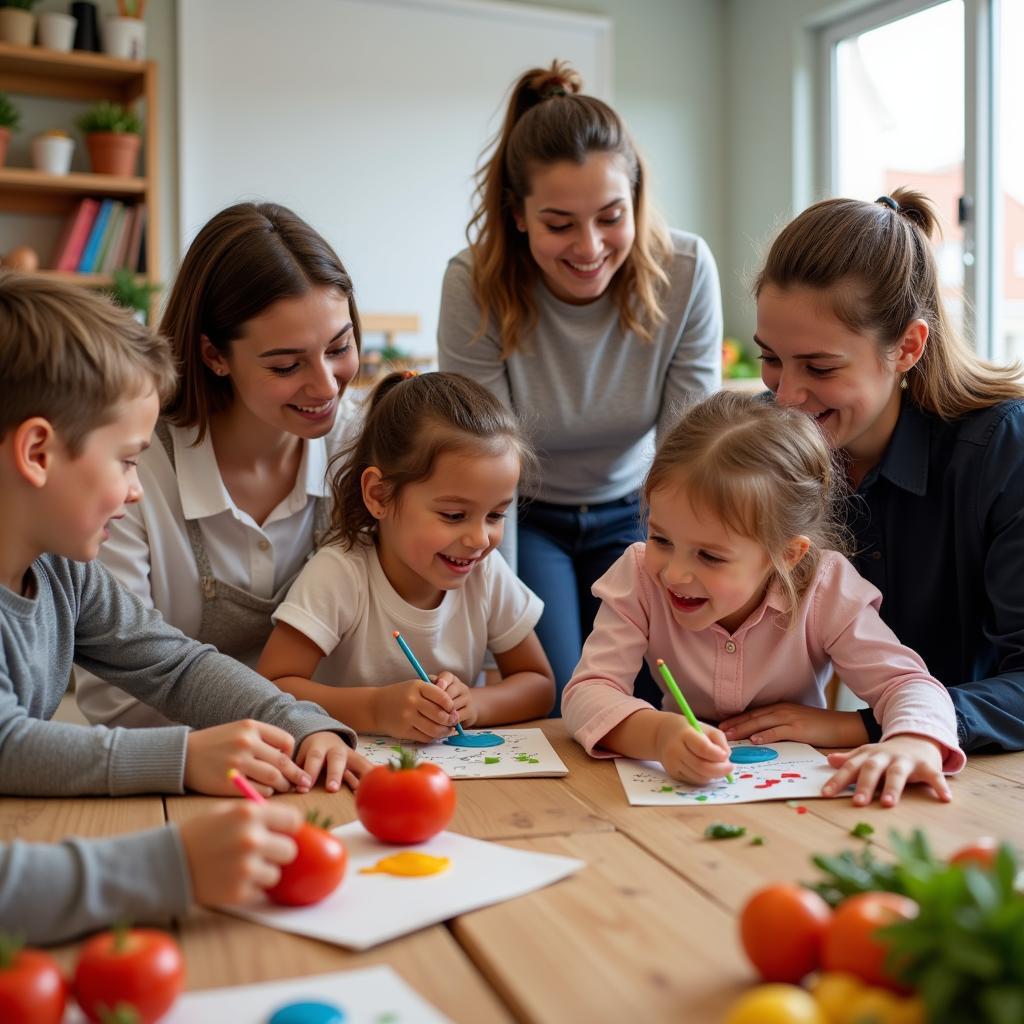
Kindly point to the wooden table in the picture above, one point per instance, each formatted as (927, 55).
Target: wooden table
(645, 932)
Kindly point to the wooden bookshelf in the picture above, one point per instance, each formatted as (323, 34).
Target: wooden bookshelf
(85, 77)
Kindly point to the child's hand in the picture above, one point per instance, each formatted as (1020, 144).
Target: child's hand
(236, 850)
(414, 710)
(817, 726)
(339, 761)
(689, 755)
(261, 752)
(902, 759)
(461, 695)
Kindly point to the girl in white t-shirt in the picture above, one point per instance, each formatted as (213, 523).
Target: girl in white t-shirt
(419, 507)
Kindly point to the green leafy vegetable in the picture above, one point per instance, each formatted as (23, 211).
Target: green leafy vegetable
(964, 952)
(862, 830)
(721, 831)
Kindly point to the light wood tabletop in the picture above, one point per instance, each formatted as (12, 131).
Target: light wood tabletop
(646, 931)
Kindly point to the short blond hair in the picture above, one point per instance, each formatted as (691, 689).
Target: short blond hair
(766, 472)
(70, 355)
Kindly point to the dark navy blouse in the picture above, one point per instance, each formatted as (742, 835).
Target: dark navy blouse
(938, 527)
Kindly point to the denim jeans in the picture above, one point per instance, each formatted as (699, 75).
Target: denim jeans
(563, 551)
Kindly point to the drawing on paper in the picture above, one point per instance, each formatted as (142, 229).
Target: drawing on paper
(524, 753)
(798, 771)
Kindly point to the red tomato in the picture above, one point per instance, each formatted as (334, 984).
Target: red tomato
(317, 870)
(981, 853)
(32, 990)
(405, 802)
(850, 942)
(137, 967)
(781, 928)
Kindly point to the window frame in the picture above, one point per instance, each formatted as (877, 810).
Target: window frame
(982, 228)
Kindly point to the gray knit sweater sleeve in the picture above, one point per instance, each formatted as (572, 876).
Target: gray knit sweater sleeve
(51, 892)
(80, 612)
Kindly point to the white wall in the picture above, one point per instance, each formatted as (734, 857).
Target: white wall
(669, 85)
(771, 95)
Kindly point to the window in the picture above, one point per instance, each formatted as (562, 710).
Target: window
(913, 93)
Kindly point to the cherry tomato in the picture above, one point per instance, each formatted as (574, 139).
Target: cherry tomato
(850, 942)
(405, 802)
(781, 928)
(32, 990)
(317, 870)
(981, 853)
(776, 1004)
(140, 968)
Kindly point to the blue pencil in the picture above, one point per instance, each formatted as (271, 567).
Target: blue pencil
(407, 651)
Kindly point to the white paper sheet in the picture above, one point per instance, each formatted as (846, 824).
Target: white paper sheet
(525, 753)
(798, 773)
(372, 995)
(369, 909)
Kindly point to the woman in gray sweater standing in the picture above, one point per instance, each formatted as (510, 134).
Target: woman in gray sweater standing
(580, 311)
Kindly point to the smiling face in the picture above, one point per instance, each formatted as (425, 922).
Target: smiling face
(579, 221)
(708, 573)
(92, 488)
(292, 363)
(815, 363)
(438, 530)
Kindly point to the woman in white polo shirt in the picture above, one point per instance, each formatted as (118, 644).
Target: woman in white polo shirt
(264, 326)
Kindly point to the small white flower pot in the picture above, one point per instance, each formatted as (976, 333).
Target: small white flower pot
(52, 153)
(124, 38)
(56, 31)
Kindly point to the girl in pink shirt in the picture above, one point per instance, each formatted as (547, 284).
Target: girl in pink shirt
(739, 589)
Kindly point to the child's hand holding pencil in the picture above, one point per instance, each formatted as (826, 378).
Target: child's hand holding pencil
(687, 750)
(691, 756)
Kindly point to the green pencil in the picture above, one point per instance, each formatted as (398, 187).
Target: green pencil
(673, 688)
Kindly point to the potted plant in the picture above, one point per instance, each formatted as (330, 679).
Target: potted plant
(113, 138)
(10, 118)
(124, 33)
(133, 292)
(17, 22)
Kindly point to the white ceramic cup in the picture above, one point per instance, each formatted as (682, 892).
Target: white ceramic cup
(56, 31)
(52, 153)
(124, 38)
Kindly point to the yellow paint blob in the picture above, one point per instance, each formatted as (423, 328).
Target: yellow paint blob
(408, 865)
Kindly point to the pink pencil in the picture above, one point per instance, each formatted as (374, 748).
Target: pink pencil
(244, 786)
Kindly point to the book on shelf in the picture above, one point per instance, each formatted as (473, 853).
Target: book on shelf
(113, 259)
(133, 254)
(116, 256)
(110, 233)
(74, 235)
(87, 263)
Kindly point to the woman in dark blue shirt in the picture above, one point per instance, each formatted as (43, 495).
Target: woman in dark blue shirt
(852, 330)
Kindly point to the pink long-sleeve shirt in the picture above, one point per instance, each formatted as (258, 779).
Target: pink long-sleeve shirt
(722, 674)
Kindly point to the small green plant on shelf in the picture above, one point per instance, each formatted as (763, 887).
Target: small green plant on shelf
(736, 361)
(10, 116)
(133, 292)
(110, 117)
(23, 5)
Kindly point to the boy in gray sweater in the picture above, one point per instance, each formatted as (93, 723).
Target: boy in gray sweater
(80, 390)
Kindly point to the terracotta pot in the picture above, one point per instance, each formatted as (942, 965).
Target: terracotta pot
(17, 26)
(114, 153)
(5, 137)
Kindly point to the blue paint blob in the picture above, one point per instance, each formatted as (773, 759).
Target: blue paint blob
(308, 1013)
(475, 739)
(753, 755)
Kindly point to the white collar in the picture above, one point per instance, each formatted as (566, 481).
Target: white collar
(202, 489)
